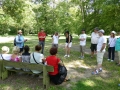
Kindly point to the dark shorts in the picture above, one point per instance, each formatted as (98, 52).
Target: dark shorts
(93, 47)
(57, 79)
(21, 50)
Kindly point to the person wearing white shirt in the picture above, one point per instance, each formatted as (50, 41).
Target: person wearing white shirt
(82, 39)
(94, 41)
(55, 39)
(111, 46)
(36, 57)
(100, 51)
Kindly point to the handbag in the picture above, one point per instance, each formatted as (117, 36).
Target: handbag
(62, 69)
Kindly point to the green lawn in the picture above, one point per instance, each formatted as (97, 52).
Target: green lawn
(107, 80)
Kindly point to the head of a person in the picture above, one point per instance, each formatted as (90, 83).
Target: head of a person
(101, 32)
(96, 29)
(67, 33)
(53, 51)
(56, 33)
(5, 50)
(83, 31)
(42, 29)
(112, 34)
(37, 48)
(16, 50)
(26, 48)
(20, 32)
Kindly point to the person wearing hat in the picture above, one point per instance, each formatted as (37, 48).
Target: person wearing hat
(82, 39)
(111, 46)
(94, 41)
(100, 51)
(20, 40)
(5, 55)
(41, 37)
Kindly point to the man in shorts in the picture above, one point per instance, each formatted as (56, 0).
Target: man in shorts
(100, 51)
(94, 41)
(82, 39)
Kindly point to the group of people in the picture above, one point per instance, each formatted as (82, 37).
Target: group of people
(98, 46)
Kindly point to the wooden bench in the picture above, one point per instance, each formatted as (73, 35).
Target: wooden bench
(30, 66)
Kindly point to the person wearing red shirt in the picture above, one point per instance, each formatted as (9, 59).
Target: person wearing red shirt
(41, 37)
(53, 60)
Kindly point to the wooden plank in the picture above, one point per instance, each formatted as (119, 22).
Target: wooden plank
(30, 66)
(1, 68)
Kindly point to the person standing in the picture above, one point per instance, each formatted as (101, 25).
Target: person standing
(68, 44)
(20, 40)
(111, 46)
(41, 37)
(82, 39)
(117, 48)
(55, 39)
(100, 51)
(94, 41)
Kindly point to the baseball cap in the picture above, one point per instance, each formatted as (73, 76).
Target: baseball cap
(102, 31)
(96, 28)
(113, 32)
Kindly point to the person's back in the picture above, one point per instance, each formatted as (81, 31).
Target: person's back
(37, 58)
(53, 61)
(26, 55)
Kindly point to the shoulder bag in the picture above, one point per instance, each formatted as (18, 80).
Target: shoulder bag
(62, 69)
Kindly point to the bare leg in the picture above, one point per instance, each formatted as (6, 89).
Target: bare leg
(68, 50)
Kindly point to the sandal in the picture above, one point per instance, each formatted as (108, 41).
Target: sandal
(95, 72)
(66, 80)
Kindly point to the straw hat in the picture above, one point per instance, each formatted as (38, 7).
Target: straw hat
(5, 49)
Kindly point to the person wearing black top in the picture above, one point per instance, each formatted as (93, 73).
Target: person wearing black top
(68, 44)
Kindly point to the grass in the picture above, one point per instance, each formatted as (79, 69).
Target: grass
(108, 80)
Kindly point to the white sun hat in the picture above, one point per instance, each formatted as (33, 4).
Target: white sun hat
(5, 49)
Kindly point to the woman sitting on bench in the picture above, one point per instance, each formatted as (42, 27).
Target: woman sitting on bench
(15, 56)
(53, 60)
(36, 57)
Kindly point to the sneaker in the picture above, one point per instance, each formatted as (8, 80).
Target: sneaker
(100, 70)
(68, 55)
(82, 57)
(65, 55)
(95, 72)
(112, 60)
(108, 59)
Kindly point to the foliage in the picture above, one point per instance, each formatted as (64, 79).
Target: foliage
(60, 15)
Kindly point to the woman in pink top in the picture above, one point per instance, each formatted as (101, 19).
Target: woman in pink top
(15, 56)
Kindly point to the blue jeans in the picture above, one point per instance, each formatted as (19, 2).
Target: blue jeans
(42, 43)
(111, 51)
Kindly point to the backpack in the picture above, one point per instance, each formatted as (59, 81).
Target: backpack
(15, 40)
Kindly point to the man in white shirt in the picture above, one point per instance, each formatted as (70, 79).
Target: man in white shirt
(82, 39)
(94, 41)
(100, 51)
(55, 39)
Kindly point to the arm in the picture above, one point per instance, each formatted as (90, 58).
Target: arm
(19, 41)
(103, 46)
(60, 63)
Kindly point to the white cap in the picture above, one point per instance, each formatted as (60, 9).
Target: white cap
(113, 32)
(102, 31)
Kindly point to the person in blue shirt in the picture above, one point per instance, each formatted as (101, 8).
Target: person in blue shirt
(117, 48)
(20, 40)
